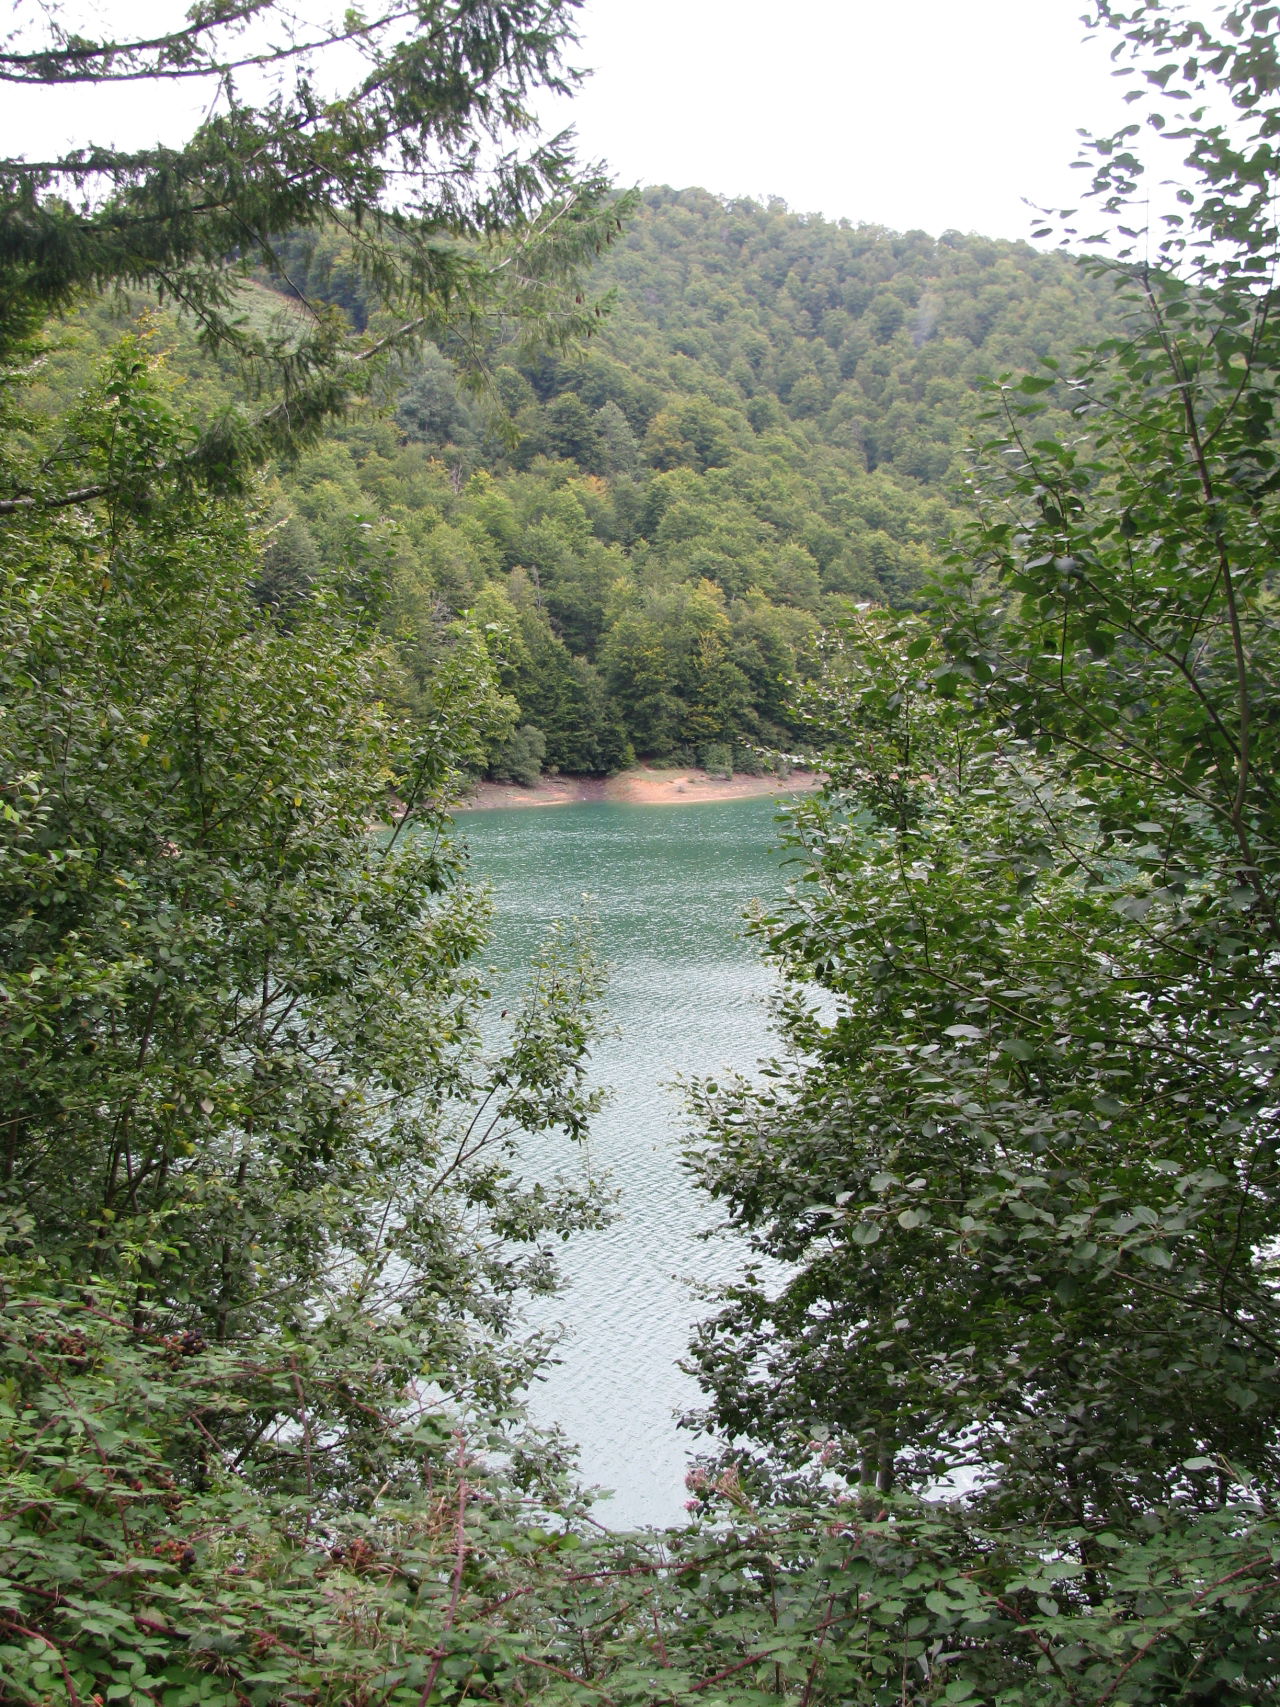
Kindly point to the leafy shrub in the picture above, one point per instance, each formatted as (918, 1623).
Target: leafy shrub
(521, 759)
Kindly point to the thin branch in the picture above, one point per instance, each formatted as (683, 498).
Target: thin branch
(54, 66)
(455, 1594)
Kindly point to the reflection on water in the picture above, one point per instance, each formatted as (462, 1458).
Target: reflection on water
(687, 994)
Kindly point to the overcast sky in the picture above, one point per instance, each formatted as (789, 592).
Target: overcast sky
(935, 114)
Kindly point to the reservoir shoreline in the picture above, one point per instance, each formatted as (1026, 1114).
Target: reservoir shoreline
(684, 785)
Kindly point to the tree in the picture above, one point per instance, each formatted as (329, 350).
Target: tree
(431, 409)
(520, 758)
(1020, 1165)
(254, 1116)
(1023, 1164)
(420, 162)
(257, 1151)
(228, 1007)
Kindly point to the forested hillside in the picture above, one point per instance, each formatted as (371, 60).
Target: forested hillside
(770, 421)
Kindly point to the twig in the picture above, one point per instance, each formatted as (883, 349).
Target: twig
(39, 1636)
(460, 1556)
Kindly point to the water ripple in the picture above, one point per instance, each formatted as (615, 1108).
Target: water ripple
(687, 996)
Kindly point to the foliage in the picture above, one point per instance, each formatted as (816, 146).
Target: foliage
(422, 160)
(750, 426)
(214, 977)
(521, 759)
(1023, 1158)
(259, 1128)
(1018, 1163)
(265, 1227)
(676, 459)
(141, 1563)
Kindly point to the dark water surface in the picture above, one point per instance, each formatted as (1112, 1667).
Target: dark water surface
(687, 994)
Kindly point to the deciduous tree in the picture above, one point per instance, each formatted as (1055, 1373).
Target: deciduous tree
(1019, 1165)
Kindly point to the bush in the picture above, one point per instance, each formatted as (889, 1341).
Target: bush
(717, 759)
(521, 759)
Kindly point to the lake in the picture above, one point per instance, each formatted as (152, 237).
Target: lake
(687, 995)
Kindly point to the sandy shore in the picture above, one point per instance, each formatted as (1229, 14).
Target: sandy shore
(643, 786)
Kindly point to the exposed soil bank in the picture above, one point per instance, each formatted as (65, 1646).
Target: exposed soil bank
(640, 787)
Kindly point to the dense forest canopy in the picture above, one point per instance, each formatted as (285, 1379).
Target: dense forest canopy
(773, 420)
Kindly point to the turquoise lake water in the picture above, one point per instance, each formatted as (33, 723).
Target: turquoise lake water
(687, 995)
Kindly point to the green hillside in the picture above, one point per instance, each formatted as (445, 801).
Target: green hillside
(771, 421)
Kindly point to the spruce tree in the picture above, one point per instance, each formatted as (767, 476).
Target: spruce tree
(460, 216)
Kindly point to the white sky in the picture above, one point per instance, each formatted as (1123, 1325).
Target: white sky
(934, 115)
